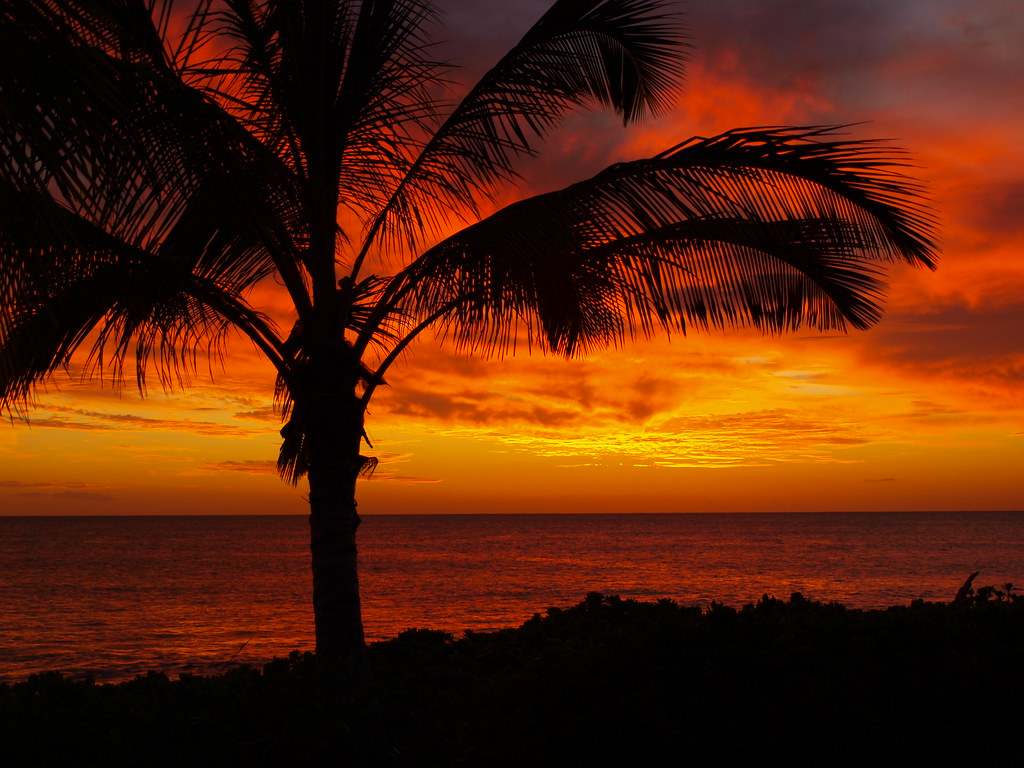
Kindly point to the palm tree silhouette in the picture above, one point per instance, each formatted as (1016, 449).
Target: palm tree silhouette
(156, 167)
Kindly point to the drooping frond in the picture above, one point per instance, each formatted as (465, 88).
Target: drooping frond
(770, 228)
(625, 54)
(292, 459)
(113, 133)
(116, 177)
(77, 285)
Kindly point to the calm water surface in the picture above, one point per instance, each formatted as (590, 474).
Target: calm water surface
(112, 597)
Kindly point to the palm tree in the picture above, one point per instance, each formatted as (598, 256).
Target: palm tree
(156, 166)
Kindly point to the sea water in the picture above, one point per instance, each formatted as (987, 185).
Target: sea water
(112, 597)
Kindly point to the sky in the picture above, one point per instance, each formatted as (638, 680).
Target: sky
(925, 411)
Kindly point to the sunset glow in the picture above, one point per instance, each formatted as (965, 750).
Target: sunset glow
(923, 412)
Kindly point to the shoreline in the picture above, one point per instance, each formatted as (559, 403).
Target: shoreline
(215, 667)
(608, 678)
(114, 676)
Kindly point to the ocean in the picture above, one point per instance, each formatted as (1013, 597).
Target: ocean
(113, 597)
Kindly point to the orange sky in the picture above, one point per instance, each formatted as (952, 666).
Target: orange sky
(925, 411)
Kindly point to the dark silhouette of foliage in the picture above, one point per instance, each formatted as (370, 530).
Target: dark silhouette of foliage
(607, 680)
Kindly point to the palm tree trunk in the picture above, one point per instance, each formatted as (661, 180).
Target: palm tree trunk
(336, 607)
(334, 430)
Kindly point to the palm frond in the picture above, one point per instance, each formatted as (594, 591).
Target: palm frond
(124, 143)
(292, 464)
(75, 285)
(364, 318)
(339, 90)
(771, 228)
(108, 162)
(68, 280)
(625, 54)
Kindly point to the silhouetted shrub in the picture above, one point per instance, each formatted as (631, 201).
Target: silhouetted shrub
(606, 680)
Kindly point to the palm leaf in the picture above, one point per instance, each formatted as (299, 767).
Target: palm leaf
(126, 144)
(625, 54)
(117, 167)
(338, 90)
(76, 285)
(771, 228)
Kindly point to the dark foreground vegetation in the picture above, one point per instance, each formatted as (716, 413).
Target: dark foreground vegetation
(607, 681)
